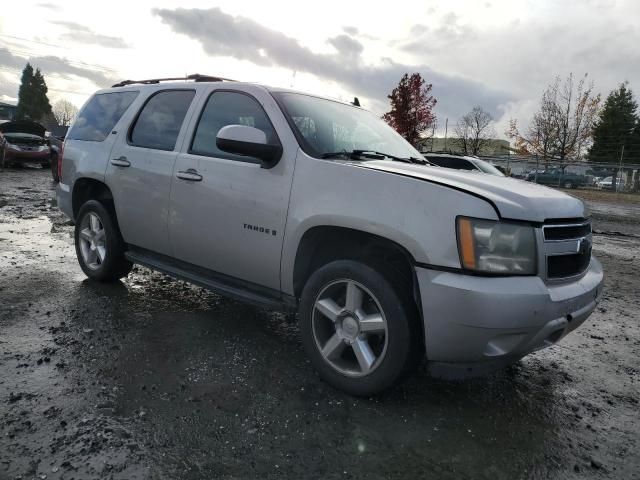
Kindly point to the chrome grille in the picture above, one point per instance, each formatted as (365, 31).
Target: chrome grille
(567, 248)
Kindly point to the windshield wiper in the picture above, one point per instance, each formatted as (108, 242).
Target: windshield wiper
(373, 154)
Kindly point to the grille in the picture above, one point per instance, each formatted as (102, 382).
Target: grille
(566, 232)
(561, 266)
(568, 248)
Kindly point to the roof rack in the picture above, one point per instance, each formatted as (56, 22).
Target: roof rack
(196, 77)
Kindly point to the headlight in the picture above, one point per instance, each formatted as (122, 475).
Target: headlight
(494, 247)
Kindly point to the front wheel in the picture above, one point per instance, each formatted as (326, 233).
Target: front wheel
(360, 334)
(99, 245)
(568, 185)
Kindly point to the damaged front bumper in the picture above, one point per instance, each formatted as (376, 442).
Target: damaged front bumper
(474, 325)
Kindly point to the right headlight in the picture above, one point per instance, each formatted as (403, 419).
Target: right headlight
(488, 246)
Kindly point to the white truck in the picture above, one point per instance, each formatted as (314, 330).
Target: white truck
(294, 201)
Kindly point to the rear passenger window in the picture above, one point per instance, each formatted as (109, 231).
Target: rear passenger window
(229, 108)
(159, 122)
(100, 115)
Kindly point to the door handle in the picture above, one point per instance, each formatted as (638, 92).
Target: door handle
(190, 174)
(120, 161)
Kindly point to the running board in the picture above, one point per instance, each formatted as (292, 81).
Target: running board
(216, 282)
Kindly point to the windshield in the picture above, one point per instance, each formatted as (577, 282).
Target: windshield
(325, 126)
(486, 167)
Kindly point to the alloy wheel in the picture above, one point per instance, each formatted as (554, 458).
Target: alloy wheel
(349, 328)
(92, 241)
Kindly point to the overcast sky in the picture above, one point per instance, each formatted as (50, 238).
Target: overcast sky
(497, 54)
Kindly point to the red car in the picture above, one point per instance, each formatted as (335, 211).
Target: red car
(24, 141)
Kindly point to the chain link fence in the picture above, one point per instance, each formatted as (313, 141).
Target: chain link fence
(570, 173)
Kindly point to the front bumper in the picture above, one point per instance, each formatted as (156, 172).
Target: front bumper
(15, 156)
(474, 324)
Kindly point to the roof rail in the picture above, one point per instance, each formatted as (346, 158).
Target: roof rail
(196, 77)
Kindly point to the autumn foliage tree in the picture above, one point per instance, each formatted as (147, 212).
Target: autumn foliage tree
(411, 113)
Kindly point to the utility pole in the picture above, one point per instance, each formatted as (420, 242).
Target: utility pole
(617, 180)
(446, 127)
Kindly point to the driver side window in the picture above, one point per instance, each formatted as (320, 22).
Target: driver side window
(225, 108)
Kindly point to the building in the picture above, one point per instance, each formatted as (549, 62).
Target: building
(494, 146)
(7, 111)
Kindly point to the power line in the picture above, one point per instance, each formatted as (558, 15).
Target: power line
(24, 50)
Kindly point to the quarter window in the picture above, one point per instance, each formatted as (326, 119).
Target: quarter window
(229, 108)
(159, 122)
(100, 115)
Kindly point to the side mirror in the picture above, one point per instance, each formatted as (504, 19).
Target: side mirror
(248, 141)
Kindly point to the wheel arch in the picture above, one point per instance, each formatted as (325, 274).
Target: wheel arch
(85, 189)
(322, 244)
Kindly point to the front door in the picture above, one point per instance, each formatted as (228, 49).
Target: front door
(228, 214)
(140, 169)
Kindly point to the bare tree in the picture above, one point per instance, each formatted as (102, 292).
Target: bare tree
(575, 115)
(65, 112)
(563, 125)
(474, 131)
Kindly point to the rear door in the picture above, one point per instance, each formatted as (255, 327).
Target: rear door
(141, 166)
(228, 214)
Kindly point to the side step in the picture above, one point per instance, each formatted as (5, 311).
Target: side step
(218, 283)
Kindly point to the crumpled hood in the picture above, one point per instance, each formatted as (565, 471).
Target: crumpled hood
(514, 199)
(23, 126)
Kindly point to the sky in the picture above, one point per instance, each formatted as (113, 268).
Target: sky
(498, 54)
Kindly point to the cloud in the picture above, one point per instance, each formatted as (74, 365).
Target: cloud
(50, 6)
(346, 45)
(81, 34)
(52, 65)
(350, 30)
(221, 34)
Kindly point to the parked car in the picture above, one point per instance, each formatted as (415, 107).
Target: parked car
(24, 141)
(297, 202)
(557, 177)
(606, 183)
(463, 162)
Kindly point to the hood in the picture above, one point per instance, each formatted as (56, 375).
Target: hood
(23, 126)
(513, 199)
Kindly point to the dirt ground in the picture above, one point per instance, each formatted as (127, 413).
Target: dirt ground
(154, 378)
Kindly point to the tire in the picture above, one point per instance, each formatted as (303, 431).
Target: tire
(347, 364)
(54, 168)
(568, 185)
(99, 245)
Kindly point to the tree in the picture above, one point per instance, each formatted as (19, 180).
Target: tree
(65, 112)
(474, 130)
(562, 126)
(411, 113)
(615, 126)
(575, 115)
(33, 102)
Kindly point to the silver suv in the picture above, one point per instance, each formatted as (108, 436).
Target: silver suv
(293, 201)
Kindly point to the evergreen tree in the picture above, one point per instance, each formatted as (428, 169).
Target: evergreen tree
(33, 102)
(615, 127)
(25, 95)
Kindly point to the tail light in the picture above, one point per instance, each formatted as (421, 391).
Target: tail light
(60, 156)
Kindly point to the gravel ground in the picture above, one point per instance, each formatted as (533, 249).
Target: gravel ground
(154, 378)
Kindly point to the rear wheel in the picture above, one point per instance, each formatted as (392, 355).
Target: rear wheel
(359, 333)
(99, 245)
(568, 184)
